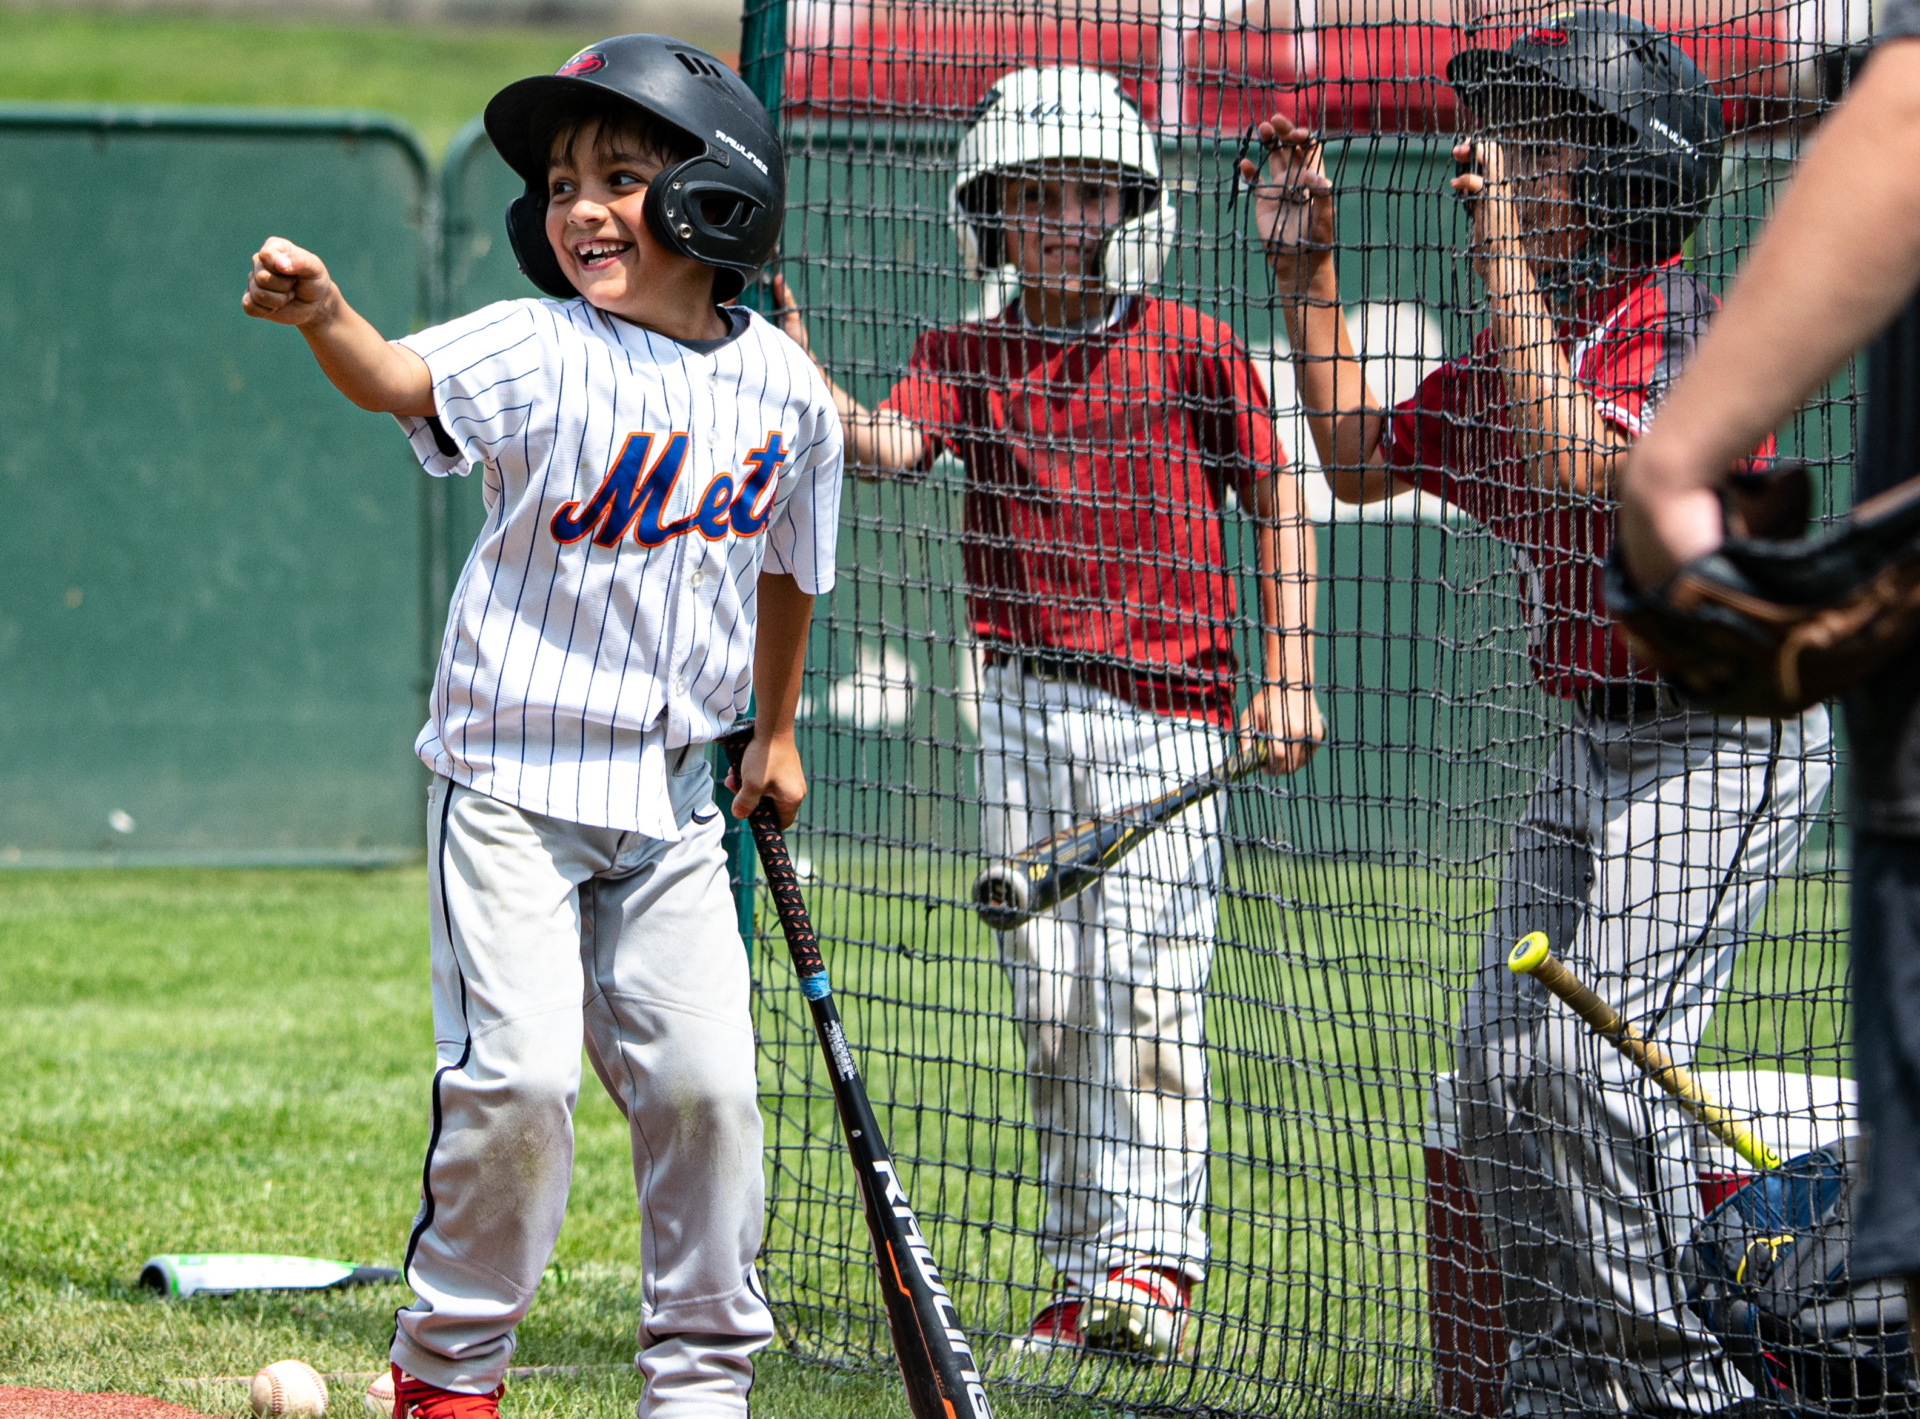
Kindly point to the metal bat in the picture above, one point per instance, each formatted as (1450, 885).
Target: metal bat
(936, 1362)
(1533, 956)
(1016, 889)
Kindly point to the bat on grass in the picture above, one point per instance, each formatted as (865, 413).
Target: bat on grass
(936, 1362)
(1016, 889)
(1533, 956)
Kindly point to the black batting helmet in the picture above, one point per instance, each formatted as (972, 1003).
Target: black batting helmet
(722, 206)
(1656, 163)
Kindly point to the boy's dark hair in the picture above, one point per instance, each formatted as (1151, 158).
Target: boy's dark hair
(726, 193)
(610, 119)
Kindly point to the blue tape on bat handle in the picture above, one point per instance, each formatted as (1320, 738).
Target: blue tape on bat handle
(815, 987)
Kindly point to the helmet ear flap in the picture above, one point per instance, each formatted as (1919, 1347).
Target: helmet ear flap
(1135, 253)
(527, 233)
(982, 242)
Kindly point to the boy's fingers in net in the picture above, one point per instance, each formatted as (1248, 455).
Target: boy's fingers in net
(1289, 153)
(1477, 166)
(786, 313)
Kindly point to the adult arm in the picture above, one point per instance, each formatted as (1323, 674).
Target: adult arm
(1833, 267)
(1294, 215)
(290, 286)
(1565, 443)
(771, 766)
(877, 439)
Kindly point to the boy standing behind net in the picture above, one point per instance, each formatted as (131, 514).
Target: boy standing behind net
(1655, 833)
(662, 481)
(1100, 429)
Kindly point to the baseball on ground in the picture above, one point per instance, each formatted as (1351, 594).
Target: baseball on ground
(288, 1387)
(379, 1395)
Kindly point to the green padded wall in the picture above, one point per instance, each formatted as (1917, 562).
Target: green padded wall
(221, 587)
(210, 591)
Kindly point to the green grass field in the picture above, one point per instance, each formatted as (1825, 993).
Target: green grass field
(207, 1060)
(435, 78)
(237, 1061)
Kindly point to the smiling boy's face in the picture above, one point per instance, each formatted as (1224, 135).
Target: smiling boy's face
(597, 179)
(1056, 224)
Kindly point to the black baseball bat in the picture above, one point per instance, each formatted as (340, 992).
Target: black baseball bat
(1016, 889)
(936, 1362)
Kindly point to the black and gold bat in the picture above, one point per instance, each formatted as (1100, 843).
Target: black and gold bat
(1016, 889)
(936, 1362)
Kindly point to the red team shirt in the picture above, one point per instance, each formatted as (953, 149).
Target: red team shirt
(1454, 439)
(1096, 468)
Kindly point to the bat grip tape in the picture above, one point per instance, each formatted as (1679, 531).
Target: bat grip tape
(783, 883)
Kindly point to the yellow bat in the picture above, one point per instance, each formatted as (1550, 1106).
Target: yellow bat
(1016, 889)
(1533, 956)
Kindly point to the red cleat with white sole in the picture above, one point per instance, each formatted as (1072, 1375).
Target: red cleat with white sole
(416, 1399)
(1056, 1326)
(1139, 1311)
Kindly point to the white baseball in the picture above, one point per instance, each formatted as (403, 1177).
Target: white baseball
(288, 1387)
(379, 1395)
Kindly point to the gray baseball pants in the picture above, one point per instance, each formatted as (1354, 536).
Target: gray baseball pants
(1645, 852)
(546, 934)
(1109, 988)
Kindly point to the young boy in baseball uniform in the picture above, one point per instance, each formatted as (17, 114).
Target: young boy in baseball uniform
(1652, 836)
(1102, 429)
(662, 477)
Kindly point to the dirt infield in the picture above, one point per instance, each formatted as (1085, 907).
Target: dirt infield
(17, 1403)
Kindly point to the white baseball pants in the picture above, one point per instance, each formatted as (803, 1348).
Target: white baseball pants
(547, 933)
(1646, 851)
(1108, 988)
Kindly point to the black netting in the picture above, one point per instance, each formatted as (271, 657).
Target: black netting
(1247, 1058)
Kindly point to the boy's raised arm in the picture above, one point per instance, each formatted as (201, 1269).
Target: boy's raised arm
(876, 438)
(290, 286)
(1294, 214)
(1566, 443)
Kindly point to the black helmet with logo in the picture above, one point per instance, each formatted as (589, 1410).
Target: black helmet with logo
(723, 205)
(1653, 165)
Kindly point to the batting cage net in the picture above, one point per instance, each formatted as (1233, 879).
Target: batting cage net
(1259, 1115)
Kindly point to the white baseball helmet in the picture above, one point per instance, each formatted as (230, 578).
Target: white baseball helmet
(1032, 117)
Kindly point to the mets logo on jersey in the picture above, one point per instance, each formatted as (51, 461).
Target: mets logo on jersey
(635, 495)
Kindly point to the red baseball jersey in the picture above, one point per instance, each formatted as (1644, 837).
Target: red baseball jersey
(1454, 438)
(1096, 468)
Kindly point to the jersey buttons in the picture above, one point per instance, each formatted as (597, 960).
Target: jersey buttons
(698, 578)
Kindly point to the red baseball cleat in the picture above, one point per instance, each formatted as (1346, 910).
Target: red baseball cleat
(1056, 1326)
(416, 1399)
(1139, 1311)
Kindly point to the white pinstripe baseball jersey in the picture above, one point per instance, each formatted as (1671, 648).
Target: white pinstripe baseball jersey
(634, 488)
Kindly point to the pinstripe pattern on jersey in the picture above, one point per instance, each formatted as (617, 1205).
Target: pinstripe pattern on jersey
(635, 487)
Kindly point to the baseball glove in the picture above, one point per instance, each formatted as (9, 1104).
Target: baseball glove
(1775, 621)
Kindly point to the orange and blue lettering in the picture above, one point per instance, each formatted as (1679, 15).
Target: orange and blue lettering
(635, 496)
(711, 517)
(753, 504)
(625, 498)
